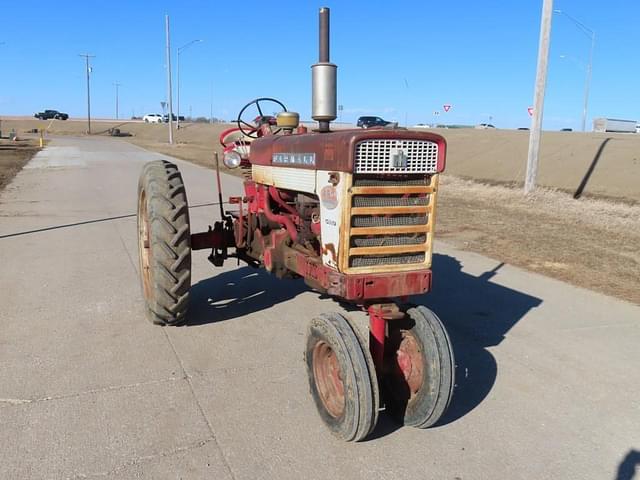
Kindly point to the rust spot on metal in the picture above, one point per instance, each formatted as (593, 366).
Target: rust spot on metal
(330, 249)
(329, 152)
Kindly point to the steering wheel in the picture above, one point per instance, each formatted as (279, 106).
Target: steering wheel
(253, 131)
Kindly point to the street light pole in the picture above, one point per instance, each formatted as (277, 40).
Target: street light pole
(117, 85)
(587, 83)
(169, 97)
(181, 49)
(88, 68)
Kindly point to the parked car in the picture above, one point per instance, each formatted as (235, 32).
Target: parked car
(49, 114)
(421, 125)
(566, 130)
(368, 122)
(523, 128)
(484, 126)
(165, 118)
(152, 118)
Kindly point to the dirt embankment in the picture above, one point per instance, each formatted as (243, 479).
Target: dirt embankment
(13, 156)
(597, 164)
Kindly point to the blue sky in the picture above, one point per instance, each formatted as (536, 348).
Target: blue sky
(401, 60)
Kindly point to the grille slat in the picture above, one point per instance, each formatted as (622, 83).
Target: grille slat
(377, 260)
(388, 201)
(396, 156)
(388, 240)
(391, 181)
(388, 220)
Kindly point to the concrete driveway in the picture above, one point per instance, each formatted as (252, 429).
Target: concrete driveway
(547, 374)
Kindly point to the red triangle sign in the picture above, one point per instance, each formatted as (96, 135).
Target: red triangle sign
(446, 107)
(530, 110)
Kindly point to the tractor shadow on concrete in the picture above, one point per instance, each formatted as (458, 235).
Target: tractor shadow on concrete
(477, 314)
(236, 293)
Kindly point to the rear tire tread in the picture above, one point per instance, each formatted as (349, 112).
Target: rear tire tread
(170, 242)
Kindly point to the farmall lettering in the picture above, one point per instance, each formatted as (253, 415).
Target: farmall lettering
(348, 212)
(307, 159)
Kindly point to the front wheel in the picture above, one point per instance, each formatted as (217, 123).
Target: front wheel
(341, 377)
(164, 243)
(419, 368)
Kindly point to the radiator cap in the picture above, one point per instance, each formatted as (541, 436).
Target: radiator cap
(288, 120)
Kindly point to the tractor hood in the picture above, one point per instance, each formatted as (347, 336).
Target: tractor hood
(333, 151)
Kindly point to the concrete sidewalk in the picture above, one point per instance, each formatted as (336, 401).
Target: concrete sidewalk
(547, 385)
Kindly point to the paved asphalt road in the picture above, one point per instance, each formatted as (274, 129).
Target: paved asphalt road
(548, 383)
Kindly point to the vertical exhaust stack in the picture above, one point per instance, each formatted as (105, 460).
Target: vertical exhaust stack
(324, 79)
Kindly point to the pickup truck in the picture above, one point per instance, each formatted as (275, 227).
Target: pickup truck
(49, 114)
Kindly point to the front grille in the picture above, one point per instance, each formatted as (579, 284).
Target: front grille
(390, 222)
(396, 156)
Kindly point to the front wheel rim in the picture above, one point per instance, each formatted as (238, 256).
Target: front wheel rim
(328, 379)
(144, 245)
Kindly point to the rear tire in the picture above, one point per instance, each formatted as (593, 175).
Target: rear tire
(419, 374)
(164, 243)
(341, 377)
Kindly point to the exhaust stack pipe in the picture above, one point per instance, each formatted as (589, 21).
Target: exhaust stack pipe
(324, 79)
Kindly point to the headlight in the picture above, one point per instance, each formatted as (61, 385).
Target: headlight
(231, 159)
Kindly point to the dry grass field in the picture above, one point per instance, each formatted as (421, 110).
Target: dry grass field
(593, 241)
(13, 156)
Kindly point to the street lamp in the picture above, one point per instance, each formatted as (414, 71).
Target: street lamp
(587, 83)
(117, 85)
(181, 49)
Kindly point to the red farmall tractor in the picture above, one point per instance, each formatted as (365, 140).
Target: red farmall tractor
(352, 213)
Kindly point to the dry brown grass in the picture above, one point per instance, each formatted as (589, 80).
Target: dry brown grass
(587, 242)
(13, 156)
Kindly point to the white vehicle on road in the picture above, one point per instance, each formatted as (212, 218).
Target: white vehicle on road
(152, 118)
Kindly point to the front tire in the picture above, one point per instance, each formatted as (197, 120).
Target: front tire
(164, 243)
(419, 374)
(341, 377)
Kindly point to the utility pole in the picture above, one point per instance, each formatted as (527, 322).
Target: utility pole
(538, 95)
(169, 99)
(117, 85)
(88, 68)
